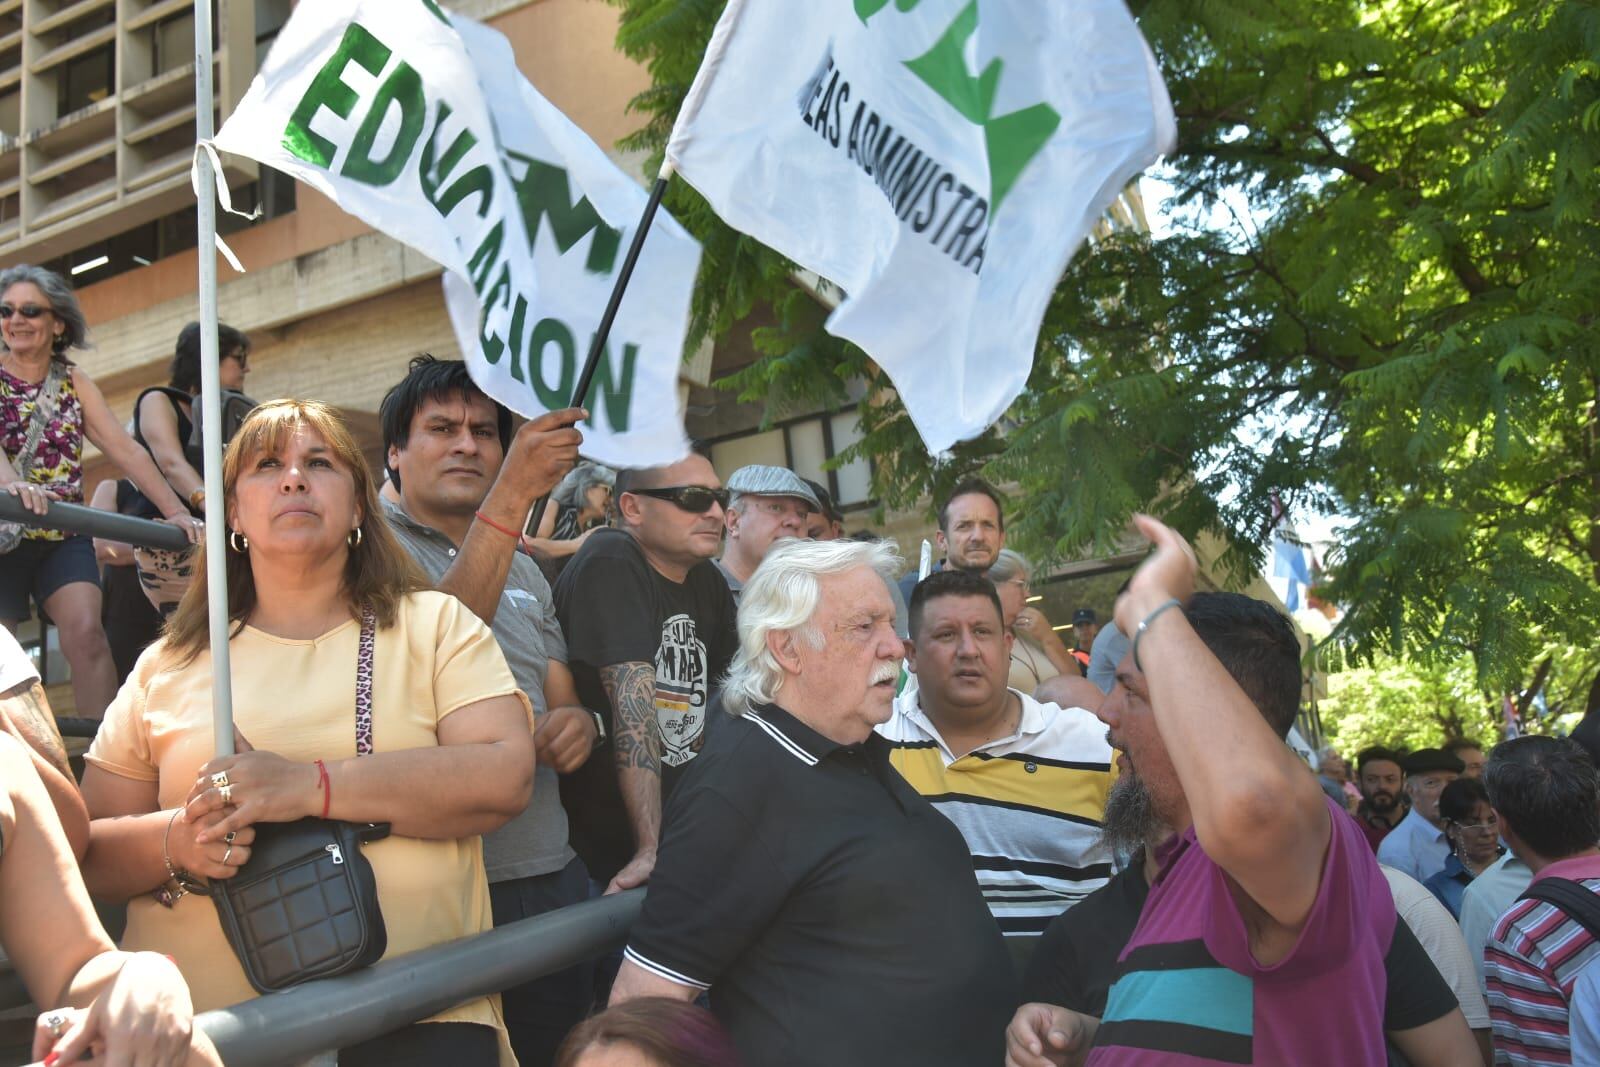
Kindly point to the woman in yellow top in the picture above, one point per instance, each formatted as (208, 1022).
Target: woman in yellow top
(310, 553)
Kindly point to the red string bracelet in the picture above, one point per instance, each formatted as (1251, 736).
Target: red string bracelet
(509, 533)
(325, 785)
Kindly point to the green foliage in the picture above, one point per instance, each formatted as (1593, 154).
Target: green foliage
(1376, 297)
(1406, 706)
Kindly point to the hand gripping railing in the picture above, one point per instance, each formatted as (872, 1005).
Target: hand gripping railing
(334, 1013)
(75, 518)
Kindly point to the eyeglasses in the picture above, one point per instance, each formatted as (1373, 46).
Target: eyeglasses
(27, 311)
(695, 499)
(1479, 827)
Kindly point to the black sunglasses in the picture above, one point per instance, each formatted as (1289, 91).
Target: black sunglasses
(27, 311)
(695, 499)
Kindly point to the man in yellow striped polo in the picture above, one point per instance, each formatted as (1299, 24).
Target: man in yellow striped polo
(1024, 782)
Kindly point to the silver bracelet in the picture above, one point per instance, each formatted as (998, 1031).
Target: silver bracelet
(1172, 602)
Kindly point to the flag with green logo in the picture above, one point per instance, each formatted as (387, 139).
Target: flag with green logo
(938, 160)
(420, 124)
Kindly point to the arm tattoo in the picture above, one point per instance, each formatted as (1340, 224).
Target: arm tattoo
(26, 714)
(631, 687)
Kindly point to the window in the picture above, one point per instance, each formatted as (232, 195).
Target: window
(85, 79)
(804, 446)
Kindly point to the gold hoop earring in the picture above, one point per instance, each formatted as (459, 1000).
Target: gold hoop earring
(238, 542)
(354, 540)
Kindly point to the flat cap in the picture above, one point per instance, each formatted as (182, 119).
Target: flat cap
(760, 480)
(1426, 760)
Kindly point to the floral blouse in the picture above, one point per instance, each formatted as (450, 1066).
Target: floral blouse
(58, 462)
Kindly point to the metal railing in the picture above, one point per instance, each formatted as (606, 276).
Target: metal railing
(76, 518)
(334, 1013)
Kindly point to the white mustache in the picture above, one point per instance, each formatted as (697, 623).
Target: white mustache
(884, 673)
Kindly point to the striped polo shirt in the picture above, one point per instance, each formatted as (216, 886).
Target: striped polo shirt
(1028, 805)
(1530, 966)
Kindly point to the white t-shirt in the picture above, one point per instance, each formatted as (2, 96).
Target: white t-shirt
(1441, 939)
(16, 666)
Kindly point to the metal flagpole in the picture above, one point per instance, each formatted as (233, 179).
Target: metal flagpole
(211, 391)
(601, 333)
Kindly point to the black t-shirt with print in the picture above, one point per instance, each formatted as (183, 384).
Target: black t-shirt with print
(615, 608)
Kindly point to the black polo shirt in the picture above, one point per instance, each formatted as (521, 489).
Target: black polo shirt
(831, 911)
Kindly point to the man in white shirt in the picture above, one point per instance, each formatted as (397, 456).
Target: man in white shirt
(1024, 782)
(1418, 845)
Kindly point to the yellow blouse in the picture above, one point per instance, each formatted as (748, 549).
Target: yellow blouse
(297, 699)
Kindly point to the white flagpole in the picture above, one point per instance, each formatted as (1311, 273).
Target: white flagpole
(211, 392)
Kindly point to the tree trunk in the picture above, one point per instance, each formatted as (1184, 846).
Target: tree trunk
(1539, 677)
(1592, 705)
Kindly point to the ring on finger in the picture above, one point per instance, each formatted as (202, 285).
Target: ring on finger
(56, 1021)
(225, 791)
(225, 854)
(229, 836)
(219, 779)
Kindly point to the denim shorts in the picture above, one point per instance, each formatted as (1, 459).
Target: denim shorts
(36, 569)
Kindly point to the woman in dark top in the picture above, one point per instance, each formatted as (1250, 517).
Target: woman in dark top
(1474, 835)
(164, 417)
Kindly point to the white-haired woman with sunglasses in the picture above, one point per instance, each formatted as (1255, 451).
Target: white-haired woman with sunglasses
(39, 322)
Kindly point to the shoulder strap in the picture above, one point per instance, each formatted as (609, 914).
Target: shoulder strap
(1577, 900)
(44, 406)
(369, 627)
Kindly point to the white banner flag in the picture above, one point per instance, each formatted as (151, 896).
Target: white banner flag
(421, 125)
(939, 160)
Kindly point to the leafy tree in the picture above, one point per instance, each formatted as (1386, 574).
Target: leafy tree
(1406, 706)
(1376, 297)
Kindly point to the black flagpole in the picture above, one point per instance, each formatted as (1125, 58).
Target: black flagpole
(603, 331)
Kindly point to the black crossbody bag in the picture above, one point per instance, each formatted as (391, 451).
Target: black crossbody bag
(306, 904)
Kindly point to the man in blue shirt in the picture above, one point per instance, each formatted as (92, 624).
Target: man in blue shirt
(1418, 845)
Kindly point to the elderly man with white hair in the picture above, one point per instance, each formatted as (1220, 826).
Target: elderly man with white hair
(830, 910)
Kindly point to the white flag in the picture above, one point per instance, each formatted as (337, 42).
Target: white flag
(421, 125)
(939, 160)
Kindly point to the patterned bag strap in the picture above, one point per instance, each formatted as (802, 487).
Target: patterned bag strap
(44, 405)
(369, 629)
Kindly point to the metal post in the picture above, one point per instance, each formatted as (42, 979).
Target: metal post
(211, 392)
(598, 346)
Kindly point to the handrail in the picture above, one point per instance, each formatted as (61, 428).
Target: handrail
(76, 518)
(337, 1012)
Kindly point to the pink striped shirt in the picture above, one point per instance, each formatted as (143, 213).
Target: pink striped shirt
(1531, 962)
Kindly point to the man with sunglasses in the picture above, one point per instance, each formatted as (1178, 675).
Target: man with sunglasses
(766, 505)
(649, 623)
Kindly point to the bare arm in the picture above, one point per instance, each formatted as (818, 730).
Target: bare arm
(475, 780)
(634, 981)
(1269, 829)
(541, 454)
(108, 435)
(158, 422)
(1445, 1042)
(631, 688)
(25, 714)
(46, 920)
(1033, 623)
(565, 735)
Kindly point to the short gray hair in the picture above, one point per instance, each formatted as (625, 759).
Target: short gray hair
(783, 596)
(1009, 566)
(63, 303)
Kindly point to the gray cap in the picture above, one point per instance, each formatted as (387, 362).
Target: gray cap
(760, 480)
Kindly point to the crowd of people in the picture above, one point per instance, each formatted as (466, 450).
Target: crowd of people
(879, 818)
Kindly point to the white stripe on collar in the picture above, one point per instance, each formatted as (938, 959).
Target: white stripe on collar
(794, 748)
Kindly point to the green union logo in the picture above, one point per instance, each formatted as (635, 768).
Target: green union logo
(1011, 140)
